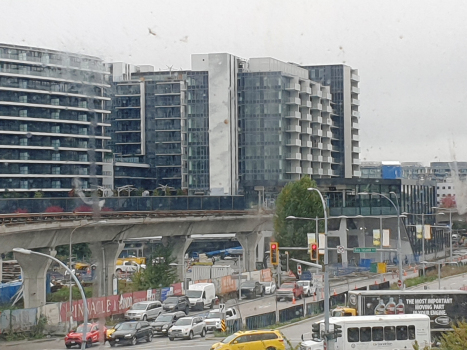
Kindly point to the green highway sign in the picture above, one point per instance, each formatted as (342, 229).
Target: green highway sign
(364, 250)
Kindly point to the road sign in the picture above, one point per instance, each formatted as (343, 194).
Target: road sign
(340, 249)
(222, 308)
(399, 283)
(364, 250)
(299, 269)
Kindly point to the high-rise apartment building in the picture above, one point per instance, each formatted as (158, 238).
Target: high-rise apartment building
(344, 84)
(53, 120)
(231, 124)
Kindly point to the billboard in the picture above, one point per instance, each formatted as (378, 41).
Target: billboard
(443, 309)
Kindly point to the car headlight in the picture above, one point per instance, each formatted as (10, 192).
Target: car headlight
(128, 335)
(164, 327)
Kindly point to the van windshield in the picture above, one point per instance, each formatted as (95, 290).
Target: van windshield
(214, 314)
(194, 293)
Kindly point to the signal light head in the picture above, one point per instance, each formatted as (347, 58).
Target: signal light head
(273, 246)
(313, 246)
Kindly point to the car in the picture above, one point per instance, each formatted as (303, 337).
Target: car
(131, 332)
(269, 287)
(94, 334)
(144, 310)
(289, 290)
(188, 327)
(252, 340)
(213, 319)
(164, 322)
(109, 331)
(252, 289)
(176, 303)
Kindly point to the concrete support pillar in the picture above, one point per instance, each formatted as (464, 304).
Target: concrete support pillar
(34, 275)
(105, 255)
(249, 241)
(178, 245)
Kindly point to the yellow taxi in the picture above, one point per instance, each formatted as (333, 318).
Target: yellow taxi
(252, 340)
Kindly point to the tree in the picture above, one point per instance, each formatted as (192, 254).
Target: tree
(296, 200)
(158, 272)
(455, 340)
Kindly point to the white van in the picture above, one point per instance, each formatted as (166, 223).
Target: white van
(201, 295)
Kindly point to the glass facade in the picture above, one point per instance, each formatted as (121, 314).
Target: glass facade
(51, 105)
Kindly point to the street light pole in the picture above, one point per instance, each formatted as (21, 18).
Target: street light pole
(83, 296)
(399, 241)
(325, 264)
(69, 263)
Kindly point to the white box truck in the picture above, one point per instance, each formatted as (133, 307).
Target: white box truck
(201, 295)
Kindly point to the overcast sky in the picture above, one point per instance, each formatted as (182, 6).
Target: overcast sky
(410, 54)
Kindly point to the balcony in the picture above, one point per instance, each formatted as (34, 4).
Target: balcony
(317, 119)
(316, 93)
(293, 101)
(355, 125)
(356, 114)
(327, 134)
(296, 156)
(317, 106)
(306, 116)
(355, 77)
(327, 121)
(317, 145)
(355, 137)
(293, 115)
(356, 161)
(327, 159)
(307, 157)
(294, 170)
(317, 132)
(318, 172)
(317, 158)
(293, 128)
(327, 109)
(327, 172)
(293, 87)
(327, 147)
(307, 144)
(355, 90)
(355, 102)
(305, 104)
(306, 130)
(327, 96)
(355, 149)
(308, 171)
(305, 90)
(293, 142)
(357, 173)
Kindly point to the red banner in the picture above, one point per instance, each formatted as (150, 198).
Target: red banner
(105, 306)
(177, 288)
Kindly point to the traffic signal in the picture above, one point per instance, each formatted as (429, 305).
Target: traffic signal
(274, 253)
(314, 252)
(337, 331)
(315, 332)
(284, 258)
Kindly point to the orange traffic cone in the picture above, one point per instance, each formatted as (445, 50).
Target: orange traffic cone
(335, 292)
(293, 300)
(405, 273)
(355, 287)
(376, 283)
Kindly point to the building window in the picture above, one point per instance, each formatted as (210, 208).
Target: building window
(24, 184)
(24, 170)
(55, 143)
(55, 115)
(55, 101)
(56, 156)
(83, 131)
(24, 156)
(83, 104)
(83, 144)
(23, 142)
(23, 99)
(56, 184)
(85, 185)
(83, 118)
(23, 127)
(83, 157)
(83, 171)
(23, 113)
(56, 170)
(55, 129)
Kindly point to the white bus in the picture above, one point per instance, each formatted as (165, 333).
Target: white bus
(375, 332)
